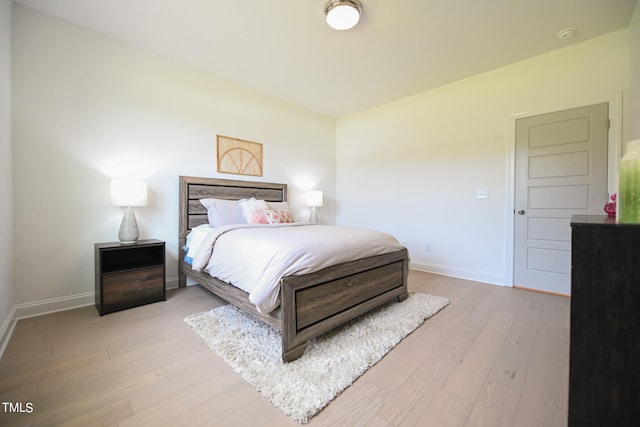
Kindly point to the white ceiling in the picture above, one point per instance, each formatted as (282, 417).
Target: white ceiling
(399, 48)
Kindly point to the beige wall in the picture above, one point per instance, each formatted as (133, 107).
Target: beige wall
(88, 108)
(634, 76)
(7, 295)
(413, 167)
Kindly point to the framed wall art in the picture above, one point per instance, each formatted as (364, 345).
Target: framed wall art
(238, 156)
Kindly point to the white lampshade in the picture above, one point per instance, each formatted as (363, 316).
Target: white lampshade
(128, 192)
(342, 14)
(313, 198)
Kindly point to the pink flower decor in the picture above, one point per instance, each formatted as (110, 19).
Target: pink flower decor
(610, 208)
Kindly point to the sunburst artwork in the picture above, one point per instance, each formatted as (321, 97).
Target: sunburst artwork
(239, 157)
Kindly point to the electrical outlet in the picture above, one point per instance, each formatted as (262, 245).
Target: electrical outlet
(483, 193)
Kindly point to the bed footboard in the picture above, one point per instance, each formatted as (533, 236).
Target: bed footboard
(316, 303)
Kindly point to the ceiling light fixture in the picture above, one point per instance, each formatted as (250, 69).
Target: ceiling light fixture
(566, 33)
(343, 14)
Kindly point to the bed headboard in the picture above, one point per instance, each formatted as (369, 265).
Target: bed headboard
(192, 189)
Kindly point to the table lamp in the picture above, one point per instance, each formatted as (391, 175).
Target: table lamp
(313, 199)
(128, 192)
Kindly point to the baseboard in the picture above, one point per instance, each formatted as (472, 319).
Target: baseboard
(38, 308)
(52, 305)
(6, 330)
(172, 283)
(467, 274)
(542, 291)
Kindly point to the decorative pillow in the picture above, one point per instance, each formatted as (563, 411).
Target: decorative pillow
(223, 212)
(278, 217)
(253, 210)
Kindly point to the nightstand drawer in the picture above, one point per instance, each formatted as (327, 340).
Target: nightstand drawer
(132, 285)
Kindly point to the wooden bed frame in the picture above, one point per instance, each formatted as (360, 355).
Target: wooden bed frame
(311, 304)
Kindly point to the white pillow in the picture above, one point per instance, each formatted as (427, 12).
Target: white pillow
(253, 210)
(223, 212)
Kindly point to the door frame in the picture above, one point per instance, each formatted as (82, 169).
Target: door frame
(614, 152)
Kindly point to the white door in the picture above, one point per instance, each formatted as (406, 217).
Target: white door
(561, 170)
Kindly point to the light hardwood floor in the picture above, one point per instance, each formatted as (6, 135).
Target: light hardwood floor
(494, 357)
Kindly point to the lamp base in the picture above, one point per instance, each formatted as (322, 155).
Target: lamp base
(129, 232)
(313, 215)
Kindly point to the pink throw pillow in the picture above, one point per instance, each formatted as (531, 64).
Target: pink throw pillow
(277, 217)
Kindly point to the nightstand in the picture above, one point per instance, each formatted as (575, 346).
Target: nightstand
(129, 275)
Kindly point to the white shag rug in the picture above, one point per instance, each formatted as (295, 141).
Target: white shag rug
(330, 363)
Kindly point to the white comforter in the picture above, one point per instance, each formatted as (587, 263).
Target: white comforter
(254, 257)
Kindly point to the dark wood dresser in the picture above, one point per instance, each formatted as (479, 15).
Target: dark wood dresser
(604, 371)
(129, 275)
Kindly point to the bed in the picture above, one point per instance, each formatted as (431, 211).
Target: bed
(309, 304)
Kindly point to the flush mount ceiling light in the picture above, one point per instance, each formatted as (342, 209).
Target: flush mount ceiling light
(566, 33)
(342, 14)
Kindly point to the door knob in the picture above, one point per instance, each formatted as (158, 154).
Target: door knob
(521, 212)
